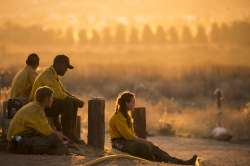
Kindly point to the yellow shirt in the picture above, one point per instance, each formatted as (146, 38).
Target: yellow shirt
(22, 83)
(29, 118)
(49, 78)
(119, 128)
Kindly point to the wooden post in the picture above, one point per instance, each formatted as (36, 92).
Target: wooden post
(96, 123)
(139, 116)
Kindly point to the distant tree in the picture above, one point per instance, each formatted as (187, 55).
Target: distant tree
(201, 35)
(173, 36)
(134, 36)
(83, 37)
(147, 35)
(107, 36)
(214, 34)
(240, 33)
(186, 35)
(120, 34)
(69, 36)
(95, 37)
(160, 35)
(225, 34)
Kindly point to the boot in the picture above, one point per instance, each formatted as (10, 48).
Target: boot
(183, 162)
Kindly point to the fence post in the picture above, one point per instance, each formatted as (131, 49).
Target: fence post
(96, 123)
(139, 116)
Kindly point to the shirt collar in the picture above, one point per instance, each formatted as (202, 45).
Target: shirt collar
(54, 72)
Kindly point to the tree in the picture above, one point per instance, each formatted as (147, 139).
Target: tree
(83, 38)
(134, 36)
(186, 35)
(120, 34)
(214, 34)
(173, 36)
(160, 35)
(95, 37)
(69, 36)
(107, 36)
(201, 35)
(147, 35)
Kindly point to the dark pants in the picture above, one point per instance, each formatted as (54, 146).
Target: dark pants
(149, 152)
(67, 108)
(38, 145)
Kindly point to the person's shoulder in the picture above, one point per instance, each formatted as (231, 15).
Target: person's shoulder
(45, 73)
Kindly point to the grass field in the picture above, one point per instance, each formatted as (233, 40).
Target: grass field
(175, 84)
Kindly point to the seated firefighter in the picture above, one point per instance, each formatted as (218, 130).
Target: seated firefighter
(29, 131)
(124, 139)
(64, 103)
(22, 84)
(23, 81)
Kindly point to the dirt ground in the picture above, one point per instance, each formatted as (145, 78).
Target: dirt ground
(213, 153)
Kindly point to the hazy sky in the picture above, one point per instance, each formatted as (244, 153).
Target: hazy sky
(102, 12)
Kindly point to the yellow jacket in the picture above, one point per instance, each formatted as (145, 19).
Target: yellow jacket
(119, 128)
(22, 83)
(49, 78)
(28, 119)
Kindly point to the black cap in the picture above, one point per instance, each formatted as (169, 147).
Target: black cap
(63, 59)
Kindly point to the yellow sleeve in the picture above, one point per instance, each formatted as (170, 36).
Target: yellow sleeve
(124, 130)
(65, 90)
(41, 125)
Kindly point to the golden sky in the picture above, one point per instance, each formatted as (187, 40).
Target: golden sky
(99, 13)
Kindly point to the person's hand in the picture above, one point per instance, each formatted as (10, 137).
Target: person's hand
(78, 101)
(81, 103)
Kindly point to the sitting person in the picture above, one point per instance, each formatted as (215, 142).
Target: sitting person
(23, 81)
(64, 103)
(124, 139)
(29, 131)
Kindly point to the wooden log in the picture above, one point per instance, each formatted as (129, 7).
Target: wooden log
(139, 116)
(96, 123)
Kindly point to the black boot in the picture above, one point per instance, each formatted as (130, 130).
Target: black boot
(183, 162)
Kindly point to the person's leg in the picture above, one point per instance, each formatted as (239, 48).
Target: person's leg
(41, 145)
(163, 156)
(134, 148)
(54, 112)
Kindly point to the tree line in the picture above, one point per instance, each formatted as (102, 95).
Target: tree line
(235, 33)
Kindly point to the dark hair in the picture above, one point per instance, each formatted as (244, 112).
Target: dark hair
(121, 106)
(33, 59)
(42, 93)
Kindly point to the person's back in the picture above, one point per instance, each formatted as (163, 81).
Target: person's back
(48, 77)
(23, 81)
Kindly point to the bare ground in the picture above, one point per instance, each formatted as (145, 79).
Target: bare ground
(213, 153)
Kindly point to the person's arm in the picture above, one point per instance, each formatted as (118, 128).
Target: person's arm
(124, 130)
(79, 101)
(55, 85)
(40, 124)
(32, 77)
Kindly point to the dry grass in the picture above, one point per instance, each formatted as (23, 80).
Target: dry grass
(175, 84)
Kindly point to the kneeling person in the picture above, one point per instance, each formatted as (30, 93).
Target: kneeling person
(29, 131)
